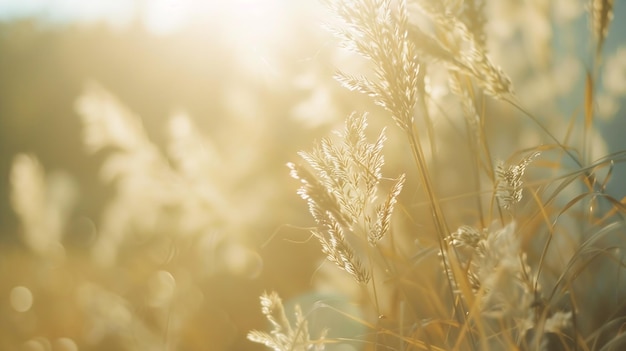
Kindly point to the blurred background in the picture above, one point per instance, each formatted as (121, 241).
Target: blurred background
(144, 192)
(144, 198)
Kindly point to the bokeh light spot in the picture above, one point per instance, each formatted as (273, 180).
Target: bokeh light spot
(37, 344)
(242, 261)
(65, 344)
(21, 299)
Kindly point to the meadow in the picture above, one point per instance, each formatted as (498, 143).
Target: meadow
(365, 175)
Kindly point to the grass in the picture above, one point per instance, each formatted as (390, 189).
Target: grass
(532, 260)
(464, 203)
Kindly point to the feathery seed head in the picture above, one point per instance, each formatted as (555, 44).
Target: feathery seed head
(509, 181)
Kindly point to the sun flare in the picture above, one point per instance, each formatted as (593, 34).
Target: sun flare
(238, 20)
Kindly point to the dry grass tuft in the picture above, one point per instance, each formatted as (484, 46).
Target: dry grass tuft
(342, 195)
(515, 273)
(284, 336)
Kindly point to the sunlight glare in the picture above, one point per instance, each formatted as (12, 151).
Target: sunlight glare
(251, 20)
(166, 16)
(236, 20)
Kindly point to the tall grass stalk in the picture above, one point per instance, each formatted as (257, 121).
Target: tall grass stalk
(517, 268)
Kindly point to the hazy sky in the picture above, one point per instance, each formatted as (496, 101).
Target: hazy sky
(72, 10)
(159, 16)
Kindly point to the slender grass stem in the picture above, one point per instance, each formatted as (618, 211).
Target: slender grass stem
(438, 216)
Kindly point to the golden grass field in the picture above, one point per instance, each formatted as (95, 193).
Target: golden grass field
(334, 175)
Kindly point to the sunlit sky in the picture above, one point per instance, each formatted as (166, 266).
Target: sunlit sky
(158, 16)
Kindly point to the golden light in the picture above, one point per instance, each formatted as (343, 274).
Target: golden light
(169, 164)
(236, 20)
(166, 16)
(256, 33)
